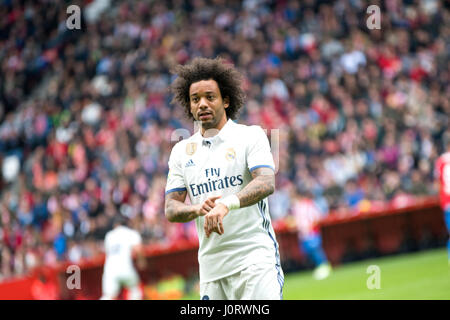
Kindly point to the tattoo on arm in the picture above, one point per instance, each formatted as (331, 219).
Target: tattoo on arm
(262, 185)
(175, 208)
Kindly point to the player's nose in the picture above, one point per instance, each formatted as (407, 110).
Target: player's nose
(203, 104)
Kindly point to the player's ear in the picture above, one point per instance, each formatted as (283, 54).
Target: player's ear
(226, 102)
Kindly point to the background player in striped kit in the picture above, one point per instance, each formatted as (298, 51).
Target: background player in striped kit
(307, 215)
(442, 172)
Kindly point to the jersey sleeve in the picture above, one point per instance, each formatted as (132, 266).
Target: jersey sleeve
(258, 154)
(175, 180)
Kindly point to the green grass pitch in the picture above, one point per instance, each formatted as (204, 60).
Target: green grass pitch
(421, 275)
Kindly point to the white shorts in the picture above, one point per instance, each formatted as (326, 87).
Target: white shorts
(113, 282)
(256, 282)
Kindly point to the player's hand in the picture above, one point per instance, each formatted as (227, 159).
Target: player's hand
(214, 220)
(206, 206)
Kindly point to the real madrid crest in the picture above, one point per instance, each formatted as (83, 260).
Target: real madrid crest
(191, 148)
(230, 154)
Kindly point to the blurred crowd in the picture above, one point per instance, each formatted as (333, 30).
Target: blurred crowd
(355, 116)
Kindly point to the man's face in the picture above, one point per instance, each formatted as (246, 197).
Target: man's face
(207, 104)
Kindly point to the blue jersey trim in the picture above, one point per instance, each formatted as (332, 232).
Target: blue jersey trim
(261, 166)
(175, 189)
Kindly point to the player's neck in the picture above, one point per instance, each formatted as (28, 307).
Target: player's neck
(213, 131)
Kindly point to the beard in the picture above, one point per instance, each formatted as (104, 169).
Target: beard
(209, 127)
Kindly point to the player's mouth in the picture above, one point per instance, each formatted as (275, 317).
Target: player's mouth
(205, 115)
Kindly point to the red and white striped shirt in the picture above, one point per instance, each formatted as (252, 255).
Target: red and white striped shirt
(306, 215)
(442, 170)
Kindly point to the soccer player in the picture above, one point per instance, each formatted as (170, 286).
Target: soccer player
(307, 215)
(121, 244)
(442, 170)
(227, 170)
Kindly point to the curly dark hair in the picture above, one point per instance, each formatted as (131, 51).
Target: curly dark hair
(226, 76)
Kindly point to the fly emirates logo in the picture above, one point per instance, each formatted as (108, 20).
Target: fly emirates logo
(214, 182)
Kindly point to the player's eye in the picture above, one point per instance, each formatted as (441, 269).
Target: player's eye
(194, 99)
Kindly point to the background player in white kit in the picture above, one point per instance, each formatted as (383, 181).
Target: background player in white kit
(121, 244)
(227, 170)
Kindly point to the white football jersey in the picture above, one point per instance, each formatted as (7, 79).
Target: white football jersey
(119, 244)
(221, 165)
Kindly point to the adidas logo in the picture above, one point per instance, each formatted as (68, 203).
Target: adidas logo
(190, 163)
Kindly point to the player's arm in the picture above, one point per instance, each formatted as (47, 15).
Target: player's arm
(175, 208)
(139, 254)
(177, 211)
(261, 186)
